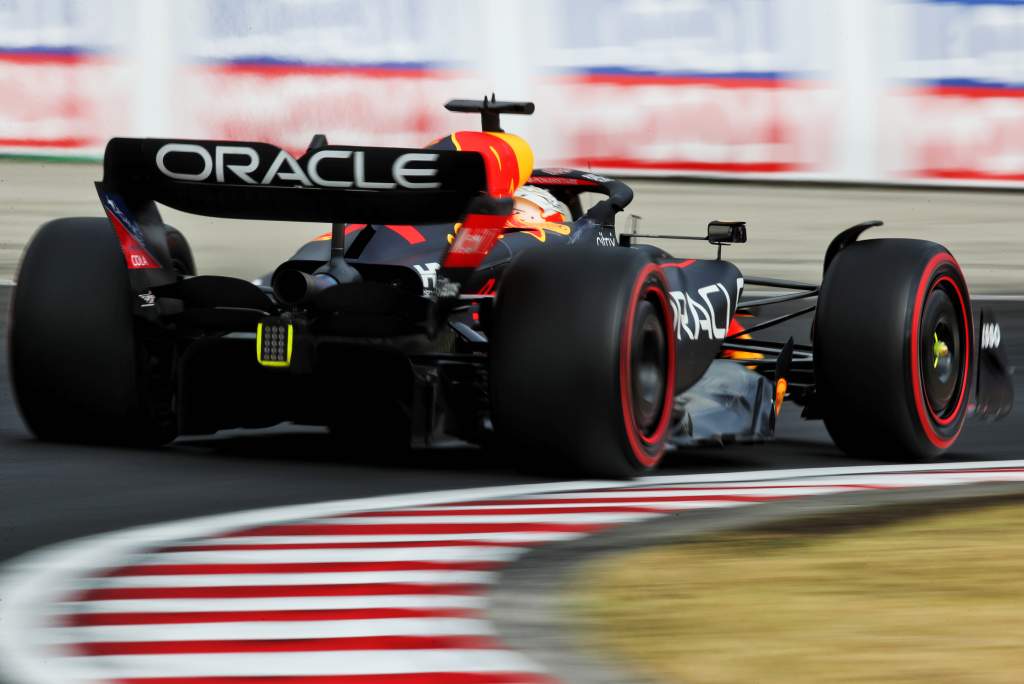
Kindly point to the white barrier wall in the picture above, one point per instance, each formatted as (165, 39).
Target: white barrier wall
(859, 90)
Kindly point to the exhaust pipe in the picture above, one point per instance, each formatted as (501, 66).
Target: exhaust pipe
(293, 287)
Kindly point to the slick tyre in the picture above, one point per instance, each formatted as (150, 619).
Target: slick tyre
(180, 252)
(79, 367)
(893, 349)
(583, 360)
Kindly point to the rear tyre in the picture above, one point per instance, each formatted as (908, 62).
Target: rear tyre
(583, 360)
(79, 368)
(893, 345)
(182, 260)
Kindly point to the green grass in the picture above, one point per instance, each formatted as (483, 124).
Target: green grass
(49, 159)
(928, 599)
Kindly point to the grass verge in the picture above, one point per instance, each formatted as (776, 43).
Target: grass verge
(930, 598)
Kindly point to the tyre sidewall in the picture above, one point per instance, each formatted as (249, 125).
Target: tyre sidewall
(558, 384)
(941, 269)
(866, 347)
(73, 353)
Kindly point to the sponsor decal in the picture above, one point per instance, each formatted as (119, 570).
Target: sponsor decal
(991, 336)
(129, 234)
(559, 180)
(473, 241)
(148, 299)
(114, 206)
(606, 240)
(428, 274)
(470, 245)
(242, 163)
(696, 317)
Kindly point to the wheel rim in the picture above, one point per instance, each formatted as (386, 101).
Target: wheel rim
(641, 365)
(941, 354)
(647, 369)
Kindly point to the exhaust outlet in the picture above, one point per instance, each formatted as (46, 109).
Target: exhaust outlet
(294, 287)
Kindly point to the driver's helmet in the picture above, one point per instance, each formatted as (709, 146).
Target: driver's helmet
(537, 205)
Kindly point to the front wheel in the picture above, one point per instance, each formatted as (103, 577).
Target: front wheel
(583, 360)
(893, 345)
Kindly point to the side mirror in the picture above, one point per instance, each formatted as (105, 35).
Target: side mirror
(727, 232)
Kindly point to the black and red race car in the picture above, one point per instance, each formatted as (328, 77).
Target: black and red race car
(430, 311)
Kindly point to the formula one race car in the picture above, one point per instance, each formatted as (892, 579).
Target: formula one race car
(437, 306)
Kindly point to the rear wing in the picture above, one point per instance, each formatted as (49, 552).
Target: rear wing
(328, 183)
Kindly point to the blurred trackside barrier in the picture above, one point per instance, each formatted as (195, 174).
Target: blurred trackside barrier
(856, 90)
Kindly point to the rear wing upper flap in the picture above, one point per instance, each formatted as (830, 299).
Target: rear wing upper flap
(251, 180)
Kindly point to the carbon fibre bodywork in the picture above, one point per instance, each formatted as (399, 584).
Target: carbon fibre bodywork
(732, 404)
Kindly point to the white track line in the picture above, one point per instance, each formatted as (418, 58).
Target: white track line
(438, 553)
(796, 490)
(805, 475)
(237, 631)
(998, 298)
(205, 605)
(258, 665)
(622, 497)
(525, 517)
(994, 297)
(290, 579)
(503, 537)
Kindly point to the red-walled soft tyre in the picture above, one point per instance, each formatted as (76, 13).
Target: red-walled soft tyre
(583, 360)
(893, 346)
